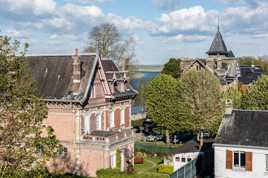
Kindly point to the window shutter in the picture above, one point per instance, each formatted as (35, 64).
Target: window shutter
(117, 118)
(248, 161)
(229, 159)
(127, 119)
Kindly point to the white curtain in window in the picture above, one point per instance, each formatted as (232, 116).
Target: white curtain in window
(111, 119)
(98, 120)
(87, 123)
(122, 117)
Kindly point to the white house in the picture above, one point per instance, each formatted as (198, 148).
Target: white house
(241, 146)
(188, 152)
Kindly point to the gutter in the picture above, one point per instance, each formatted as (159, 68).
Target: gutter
(83, 100)
(239, 146)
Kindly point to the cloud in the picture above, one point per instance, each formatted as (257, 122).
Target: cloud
(189, 38)
(77, 10)
(129, 23)
(187, 24)
(36, 7)
(194, 23)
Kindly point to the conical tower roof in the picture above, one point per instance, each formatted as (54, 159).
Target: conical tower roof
(218, 45)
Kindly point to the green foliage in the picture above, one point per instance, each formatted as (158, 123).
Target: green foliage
(137, 123)
(165, 169)
(115, 173)
(141, 97)
(161, 101)
(235, 95)
(151, 148)
(201, 103)
(35, 173)
(257, 96)
(172, 68)
(118, 158)
(25, 141)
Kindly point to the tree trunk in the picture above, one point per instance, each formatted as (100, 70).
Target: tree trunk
(167, 137)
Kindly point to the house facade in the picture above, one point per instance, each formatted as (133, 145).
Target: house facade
(89, 108)
(241, 147)
(188, 152)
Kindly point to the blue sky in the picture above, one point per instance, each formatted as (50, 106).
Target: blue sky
(161, 28)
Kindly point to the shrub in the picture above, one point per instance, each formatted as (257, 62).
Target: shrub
(151, 148)
(165, 169)
(118, 158)
(138, 160)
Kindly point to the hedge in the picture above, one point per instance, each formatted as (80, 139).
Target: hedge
(151, 148)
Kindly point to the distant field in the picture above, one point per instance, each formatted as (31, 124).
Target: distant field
(147, 68)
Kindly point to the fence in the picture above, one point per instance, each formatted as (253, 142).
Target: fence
(187, 171)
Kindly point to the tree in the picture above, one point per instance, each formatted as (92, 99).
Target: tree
(235, 95)
(172, 68)
(109, 42)
(162, 101)
(201, 102)
(256, 97)
(24, 140)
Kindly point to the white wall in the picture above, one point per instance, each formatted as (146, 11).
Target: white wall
(258, 164)
(178, 164)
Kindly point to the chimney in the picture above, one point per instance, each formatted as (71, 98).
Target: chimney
(125, 64)
(76, 72)
(228, 107)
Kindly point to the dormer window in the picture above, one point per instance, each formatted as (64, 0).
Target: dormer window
(115, 83)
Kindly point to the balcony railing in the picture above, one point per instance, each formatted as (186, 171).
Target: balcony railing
(107, 137)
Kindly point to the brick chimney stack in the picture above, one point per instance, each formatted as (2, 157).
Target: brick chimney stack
(76, 72)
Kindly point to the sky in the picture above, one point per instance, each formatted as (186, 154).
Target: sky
(161, 28)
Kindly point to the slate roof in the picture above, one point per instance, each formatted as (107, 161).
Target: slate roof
(249, 74)
(244, 127)
(218, 45)
(188, 147)
(53, 75)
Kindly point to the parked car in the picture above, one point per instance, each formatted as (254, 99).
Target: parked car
(151, 138)
(205, 133)
(154, 137)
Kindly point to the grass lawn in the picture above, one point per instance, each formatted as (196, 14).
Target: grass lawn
(149, 168)
(146, 170)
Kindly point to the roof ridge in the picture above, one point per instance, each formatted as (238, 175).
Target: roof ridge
(58, 54)
(252, 110)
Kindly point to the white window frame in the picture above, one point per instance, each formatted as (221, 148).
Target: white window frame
(93, 92)
(266, 162)
(99, 121)
(239, 160)
(122, 116)
(111, 119)
(87, 123)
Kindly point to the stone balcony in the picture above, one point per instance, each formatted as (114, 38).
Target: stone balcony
(108, 137)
